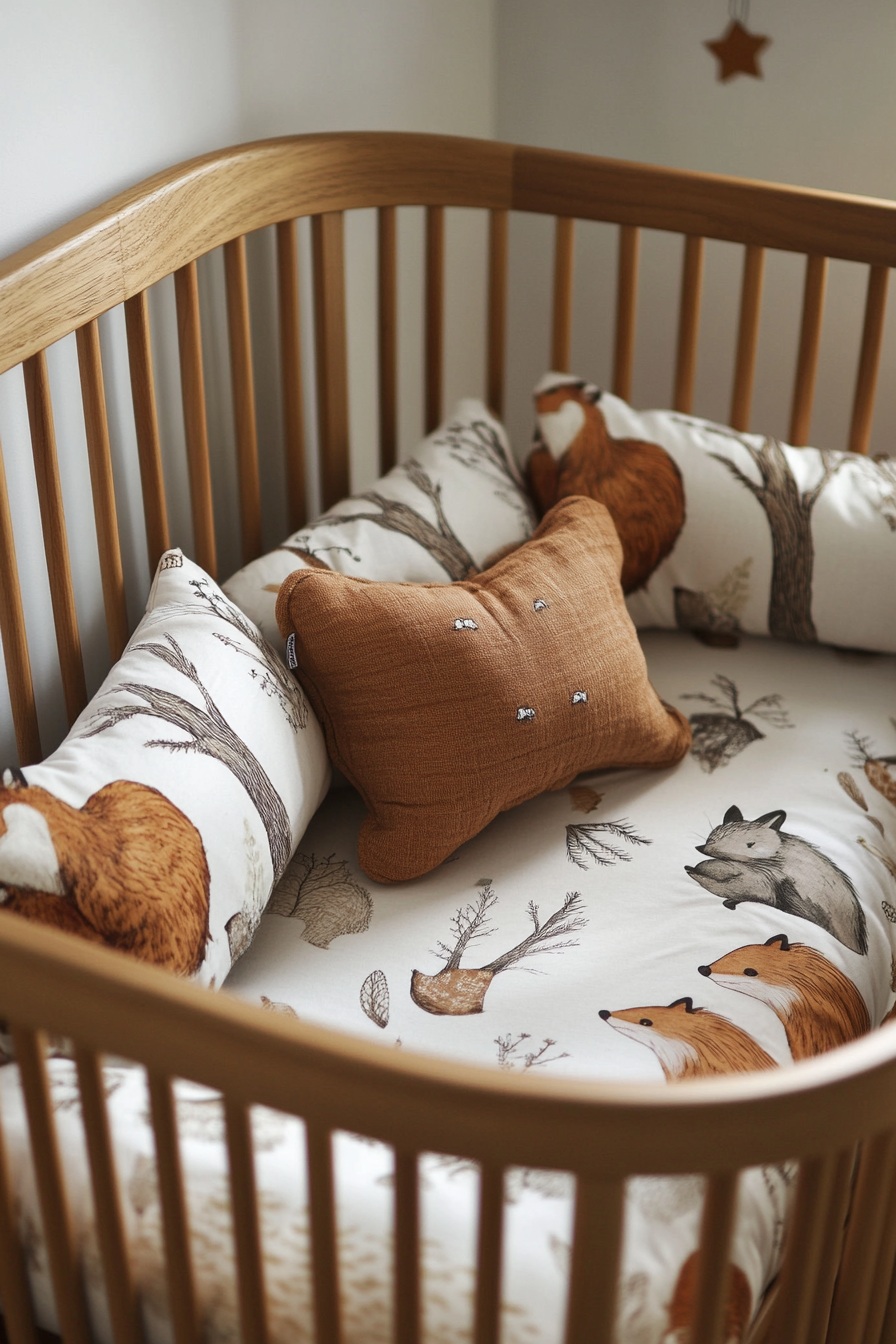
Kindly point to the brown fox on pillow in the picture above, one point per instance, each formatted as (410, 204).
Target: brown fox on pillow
(127, 869)
(636, 481)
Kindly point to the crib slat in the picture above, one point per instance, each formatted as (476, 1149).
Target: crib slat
(597, 1241)
(747, 337)
(798, 1284)
(497, 309)
(688, 323)
(882, 1275)
(487, 1319)
(831, 1244)
(178, 1263)
(328, 252)
(243, 384)
(146, 423)
(52, 515)
(561, 328)
(192, 387)
(100, 457)
(626, 305)
(15, 640)
(387, 291)
(322, 1200)
(869, 359)
(123, 1310)
(291, 370)
(246, 1229)
(810, 344)
(871, 1202)
(65, 1269)
(15, 1295)
(407, 1249)
(713, 1270)
(435, 315)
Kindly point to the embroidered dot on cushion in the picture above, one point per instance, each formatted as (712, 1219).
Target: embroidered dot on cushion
(440, 732)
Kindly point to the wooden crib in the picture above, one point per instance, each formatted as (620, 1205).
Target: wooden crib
(836, 1114)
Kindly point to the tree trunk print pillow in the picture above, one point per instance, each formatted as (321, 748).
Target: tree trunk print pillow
(162, 823)
(435, 518)
(723, 532)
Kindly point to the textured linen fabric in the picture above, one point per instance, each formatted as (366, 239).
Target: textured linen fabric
(797, 543)
(161, 824)
(438, 516)
(446, 705)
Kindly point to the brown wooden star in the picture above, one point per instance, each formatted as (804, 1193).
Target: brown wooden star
(738, 51)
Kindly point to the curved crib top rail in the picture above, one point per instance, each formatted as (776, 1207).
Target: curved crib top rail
(115, 251)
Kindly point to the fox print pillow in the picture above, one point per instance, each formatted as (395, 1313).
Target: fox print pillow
(162, 823)
(725, 532)
(436, 518)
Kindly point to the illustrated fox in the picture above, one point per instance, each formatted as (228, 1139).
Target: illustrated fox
(127, 869)
(638, 482)
(757, 861)
(819, 1007)
(738, 1305)
(690, 1042)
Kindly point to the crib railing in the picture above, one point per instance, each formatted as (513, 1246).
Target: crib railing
(834, 1114)
(115, 253)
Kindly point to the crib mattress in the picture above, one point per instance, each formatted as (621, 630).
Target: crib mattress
(543, 946)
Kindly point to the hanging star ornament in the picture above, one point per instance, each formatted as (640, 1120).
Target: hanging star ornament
(738, 51)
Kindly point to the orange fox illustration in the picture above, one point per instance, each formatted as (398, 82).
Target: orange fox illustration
(690, 1042)
(638, 482)
(738, 1306)
(819, 1007)
(127, 869)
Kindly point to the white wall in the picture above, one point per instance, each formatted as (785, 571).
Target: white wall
(631, 79)
(97, 94)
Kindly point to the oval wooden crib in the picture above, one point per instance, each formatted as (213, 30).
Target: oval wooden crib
(836, 1115)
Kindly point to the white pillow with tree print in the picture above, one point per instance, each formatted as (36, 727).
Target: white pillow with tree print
(797, 543)
(162, 823)
(432, 519)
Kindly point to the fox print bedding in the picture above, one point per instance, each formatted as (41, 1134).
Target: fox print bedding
(734, 913)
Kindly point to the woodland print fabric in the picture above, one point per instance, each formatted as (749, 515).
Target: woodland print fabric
(445, 704)
(162, 822)
(797, 543)
(435, 518)
(735, 912)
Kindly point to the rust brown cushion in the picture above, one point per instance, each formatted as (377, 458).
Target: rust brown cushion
(446, 704)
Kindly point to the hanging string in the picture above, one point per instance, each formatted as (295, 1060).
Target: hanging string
(739, 10)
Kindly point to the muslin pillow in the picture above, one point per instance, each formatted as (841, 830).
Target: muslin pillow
(433, 519)
(161, 824)
(767, 539)
(446, 705)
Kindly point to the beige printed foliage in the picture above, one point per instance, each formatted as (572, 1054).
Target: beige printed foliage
(323, 893)
(584, 799)
(375, 998)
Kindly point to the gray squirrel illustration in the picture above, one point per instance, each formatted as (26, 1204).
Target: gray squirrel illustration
(757, 861)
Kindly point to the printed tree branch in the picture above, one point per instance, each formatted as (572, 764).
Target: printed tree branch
(789, 513)
(582, 843)
(209, 734)
(274, 680)
(457, 991)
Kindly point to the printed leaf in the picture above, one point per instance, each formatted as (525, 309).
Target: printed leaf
(584, 799)
(272, 1006)
(323, 893)
(731, 594)
(375, 998)
(849, 785)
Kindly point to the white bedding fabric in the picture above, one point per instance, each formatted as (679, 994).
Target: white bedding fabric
(338, 949)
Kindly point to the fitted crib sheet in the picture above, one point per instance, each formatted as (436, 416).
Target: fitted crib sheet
(542, 946)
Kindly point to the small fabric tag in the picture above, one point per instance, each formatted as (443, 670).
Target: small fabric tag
(291, 659)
